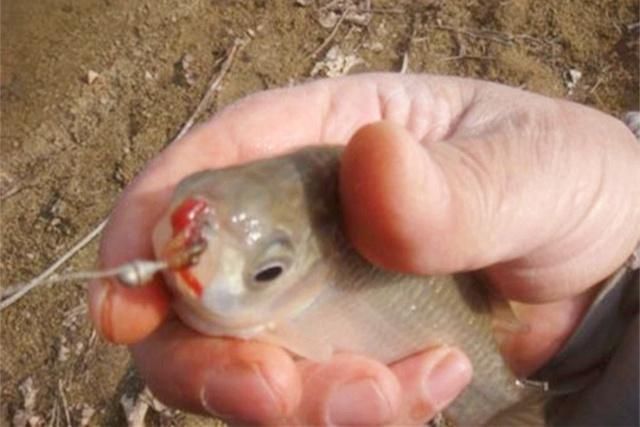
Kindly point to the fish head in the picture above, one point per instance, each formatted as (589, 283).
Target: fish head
(257, 247)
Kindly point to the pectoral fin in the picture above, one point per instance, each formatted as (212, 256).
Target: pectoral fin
(504, 320)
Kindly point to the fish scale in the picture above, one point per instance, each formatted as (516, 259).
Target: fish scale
(407, 320)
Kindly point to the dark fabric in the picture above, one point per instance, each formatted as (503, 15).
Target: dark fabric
(598, 333)
(608, 392)
(612, 400)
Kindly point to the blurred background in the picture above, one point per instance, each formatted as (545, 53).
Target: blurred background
(90, 90)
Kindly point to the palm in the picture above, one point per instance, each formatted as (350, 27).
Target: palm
(228, 377)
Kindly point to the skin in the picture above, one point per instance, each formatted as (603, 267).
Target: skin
(440, 174)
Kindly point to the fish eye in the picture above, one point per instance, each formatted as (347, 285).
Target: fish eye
(274, 255)
(269, 272)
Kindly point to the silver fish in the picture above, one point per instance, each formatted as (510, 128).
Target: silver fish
(276, 267)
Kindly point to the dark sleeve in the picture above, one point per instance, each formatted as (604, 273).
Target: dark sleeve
(611, 400)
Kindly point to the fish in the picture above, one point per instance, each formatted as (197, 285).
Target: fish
(274, 265)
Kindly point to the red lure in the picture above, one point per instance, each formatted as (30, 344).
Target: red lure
(184, 220)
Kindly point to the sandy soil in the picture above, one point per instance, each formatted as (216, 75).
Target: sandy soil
(91, 90)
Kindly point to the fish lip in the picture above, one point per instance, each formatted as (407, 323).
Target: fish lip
(211, 324)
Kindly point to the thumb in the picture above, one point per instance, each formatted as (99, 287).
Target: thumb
(550, 216)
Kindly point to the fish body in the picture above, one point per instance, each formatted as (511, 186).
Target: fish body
(278, 268)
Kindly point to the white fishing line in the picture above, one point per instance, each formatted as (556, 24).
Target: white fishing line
(44, 276)
(131, 274)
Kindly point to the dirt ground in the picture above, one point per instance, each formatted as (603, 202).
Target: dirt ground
(92, 89)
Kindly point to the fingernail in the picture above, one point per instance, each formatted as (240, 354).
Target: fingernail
(447, 378)
(359, 402)
(241, 393)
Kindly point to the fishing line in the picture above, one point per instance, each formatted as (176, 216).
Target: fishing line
(131, 274)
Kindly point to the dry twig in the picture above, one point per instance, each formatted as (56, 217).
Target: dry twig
(470, 57)
(405, 63)
(21, 290)
(135, 409)
(53, 417)
(499, 38)
(65, 406)
(404, 68)
(11, 192)
(212, 88)
(331, 36)
(334, 6)
(496, 36)
(601, 77)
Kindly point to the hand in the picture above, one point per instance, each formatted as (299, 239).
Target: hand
(535, 191)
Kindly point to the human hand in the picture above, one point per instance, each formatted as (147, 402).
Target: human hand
(534, 191)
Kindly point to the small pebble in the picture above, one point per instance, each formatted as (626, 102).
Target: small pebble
(63, 353)
(92, 76)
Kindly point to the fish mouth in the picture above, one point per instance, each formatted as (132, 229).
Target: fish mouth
(208, 323)
(192, 229)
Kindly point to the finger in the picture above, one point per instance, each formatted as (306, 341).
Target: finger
(430, 381)
(258, 126)
(123, 315)
(234, 380)
(548, 327)
(553, 208)
(347, 390)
